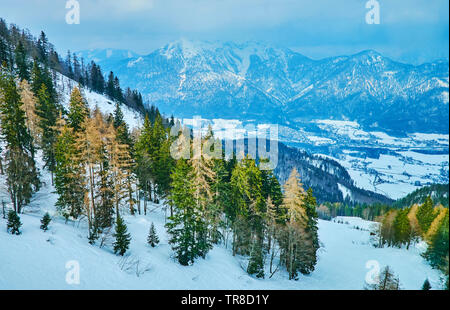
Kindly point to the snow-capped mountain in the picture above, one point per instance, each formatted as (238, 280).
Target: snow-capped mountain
(277, 85)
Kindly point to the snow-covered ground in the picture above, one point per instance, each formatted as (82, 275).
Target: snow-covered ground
(38, 260)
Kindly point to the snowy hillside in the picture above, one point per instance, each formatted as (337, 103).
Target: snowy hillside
(65, 85)
(42, 260)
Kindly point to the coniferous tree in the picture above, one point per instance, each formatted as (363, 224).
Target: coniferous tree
(122, 237)
(426, 214)
(78, 110)
(426, 285)
(4, 55)
(144, 161)
(45, 221)
(181, 226)
(13, 224)
(68, 184)
(121, 127)
(387, 280)
(48, 113)
(21, 62)
(110, 87)
(68, 64)
(29, 101)
(438, 246)
(42, 46)
(298, 238)
(152, 238)
(402, 228)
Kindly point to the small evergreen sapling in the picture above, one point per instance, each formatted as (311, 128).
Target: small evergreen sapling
(123, 238)
(426, 285)
(45, 221)
(13, 225)
(152, 238)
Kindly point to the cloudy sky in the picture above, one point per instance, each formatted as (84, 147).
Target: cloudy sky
(410, 30)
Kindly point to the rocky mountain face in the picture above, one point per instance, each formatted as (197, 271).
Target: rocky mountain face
(253, 81)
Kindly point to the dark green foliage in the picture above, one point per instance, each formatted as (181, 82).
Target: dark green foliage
(152, 238)
(387, 281)
(68, 185)
(78, 110)
(426, 214)
(13, 224)
(256, 261)
(310, 260)
(21, 62)
(402, 228)
(426, 285)
(48, 113)
(122, 237)
(45, 221)
(121, 127)
(438, 249)
(21, 171)
(183, 225)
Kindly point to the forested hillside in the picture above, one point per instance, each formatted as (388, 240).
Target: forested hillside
(438, 192)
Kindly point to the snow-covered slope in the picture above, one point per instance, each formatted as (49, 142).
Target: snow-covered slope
(42, 260)
(107, 106)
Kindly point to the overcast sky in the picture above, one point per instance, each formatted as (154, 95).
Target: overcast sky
(410, 30)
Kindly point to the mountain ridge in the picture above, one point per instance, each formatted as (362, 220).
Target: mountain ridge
(278, 85)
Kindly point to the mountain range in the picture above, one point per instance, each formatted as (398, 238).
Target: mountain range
(255, 81)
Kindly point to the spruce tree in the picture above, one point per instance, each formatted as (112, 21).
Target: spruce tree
(45, 221)
(22, 62)
(78, 110)
(68, 184)
(13, 224)
(22, 175)
(181, 226)
(426, 285)
(48, 113)
(122, 237)
(144, 161)
(402, 228)
(152, 238)
(121, 126)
